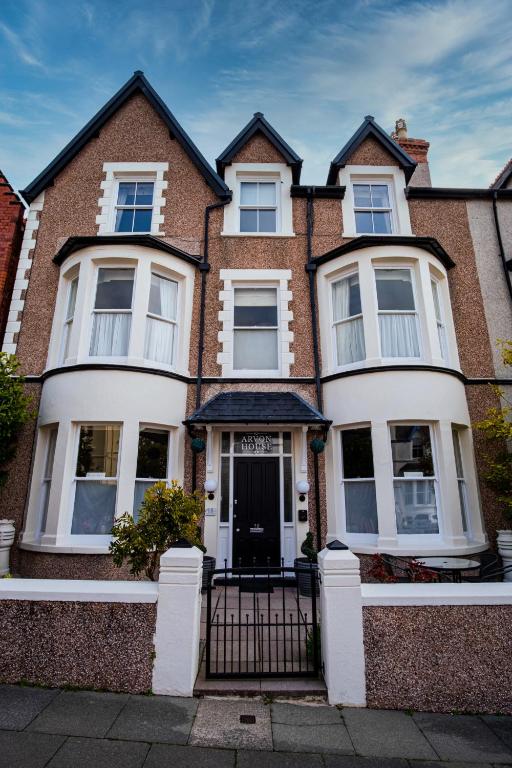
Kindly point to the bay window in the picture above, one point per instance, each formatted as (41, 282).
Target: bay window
(358, 481)
(372, 209)
(70, 314)
(441, 328)
(398, 318)
(161, 320)
(152, 462)
(112, 312)
(414, 479)
(96, 479)
(134, 207)
(461, 482)
(258, 206)
(348, 320)
(51, 441)
(255, 329)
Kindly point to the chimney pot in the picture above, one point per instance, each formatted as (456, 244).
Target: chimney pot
(401, 128)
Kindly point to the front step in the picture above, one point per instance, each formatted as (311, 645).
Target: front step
(274, 687)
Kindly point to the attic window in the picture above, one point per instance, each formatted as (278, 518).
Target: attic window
(373, 209)
(134, 207)
(258, 206)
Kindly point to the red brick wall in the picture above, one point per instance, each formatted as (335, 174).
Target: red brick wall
(11, 233)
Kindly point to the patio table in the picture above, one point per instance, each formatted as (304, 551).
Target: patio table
(452, 565)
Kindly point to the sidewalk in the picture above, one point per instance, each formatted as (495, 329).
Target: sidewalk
(42, 728)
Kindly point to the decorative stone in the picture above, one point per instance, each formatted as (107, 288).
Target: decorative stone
(7, 532)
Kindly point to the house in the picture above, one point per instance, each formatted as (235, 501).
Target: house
(12, 223)
(312, 356)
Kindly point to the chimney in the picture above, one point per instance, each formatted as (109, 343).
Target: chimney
(418, 150)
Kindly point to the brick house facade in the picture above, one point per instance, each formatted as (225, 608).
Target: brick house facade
(12, 213)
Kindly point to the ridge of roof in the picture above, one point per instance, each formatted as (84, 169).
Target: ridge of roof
(136, 83)
(370, 128)
(256, 124)
(503, 176)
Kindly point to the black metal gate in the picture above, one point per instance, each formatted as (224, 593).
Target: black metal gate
(262, 622)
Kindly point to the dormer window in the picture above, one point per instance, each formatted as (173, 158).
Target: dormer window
(373, 209)
(258, 206)
(134, 207)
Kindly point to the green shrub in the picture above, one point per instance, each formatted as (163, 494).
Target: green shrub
(14, 409)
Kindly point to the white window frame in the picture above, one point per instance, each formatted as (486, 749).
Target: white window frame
(157, 270)
(51, 433)
(118, 172)
(116, 207)
(462, 486)
(67, 325)
(411, 269)
(270, 179)
(276, 328)
(382, 174)
(441, 326)
(281, 174)
(391, 209)
(413, 539)
(111, 265)
(156, 428)
(331, 282)
(93, 538)
(365, 538)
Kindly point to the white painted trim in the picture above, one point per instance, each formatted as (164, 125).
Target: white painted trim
(21, 282)
(77, 590)
(115, 172)
(387, 174)
(279, 172)
(490, 593)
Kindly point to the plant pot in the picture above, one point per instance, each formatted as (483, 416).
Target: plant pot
(7, 531)
(208, 566)
(304, 579)
(505, 551)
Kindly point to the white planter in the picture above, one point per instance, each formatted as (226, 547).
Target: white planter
(6, 542)
(505, 551)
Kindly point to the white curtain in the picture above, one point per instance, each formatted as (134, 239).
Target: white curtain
(141, 487)
(361, 507)
(255, 350)
(415, 506)
(110, 334)
(399, 335)
(341, 299)
(159, 345)
(94, 509)
(350, 341)
(163, 297)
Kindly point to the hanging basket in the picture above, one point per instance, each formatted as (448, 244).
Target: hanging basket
(317, 445)
(198, 445)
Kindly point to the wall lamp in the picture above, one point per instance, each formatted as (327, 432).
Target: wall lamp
(302, 487)
(210, 487)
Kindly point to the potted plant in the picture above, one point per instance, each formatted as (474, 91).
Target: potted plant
(6, 542)
(497, 427)
(167, 514)
(305, 565)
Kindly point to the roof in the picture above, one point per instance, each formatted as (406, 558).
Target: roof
(429, 244)
(502, 179)
(370, 128)
(258, 124)
(257, 408)
(79, 242)
(456, 193)
(136, 84)
(17, 199)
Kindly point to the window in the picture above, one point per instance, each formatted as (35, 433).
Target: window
(414, 480)
(70, 313)
(161, 320)
(372, 209)
(47, 476)
(348, 320)
(398, 319)
(358, 481)
(460, 479)
(255, 330)
(134, 208)
(96, 479)
(152, 462)
(441, 329)
(258, 206)
(112, 312)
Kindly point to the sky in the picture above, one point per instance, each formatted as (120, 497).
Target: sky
(314, 67)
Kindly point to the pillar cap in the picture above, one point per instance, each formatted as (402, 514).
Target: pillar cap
(336, 545)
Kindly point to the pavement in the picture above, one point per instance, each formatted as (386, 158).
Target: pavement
(45, 728)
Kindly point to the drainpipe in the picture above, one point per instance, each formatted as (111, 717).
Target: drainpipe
(311, 270)
(204, 268)
(508, 277)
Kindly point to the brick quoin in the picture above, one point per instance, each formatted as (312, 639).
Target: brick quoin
(12, 224)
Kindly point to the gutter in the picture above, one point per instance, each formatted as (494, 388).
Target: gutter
(508, 277)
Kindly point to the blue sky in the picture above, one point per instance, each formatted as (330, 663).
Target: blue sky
(314, 67)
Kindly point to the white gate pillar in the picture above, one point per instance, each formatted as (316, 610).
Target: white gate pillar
(178, 618)
(341, 616)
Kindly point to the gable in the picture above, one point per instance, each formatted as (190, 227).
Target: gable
(371, 152)
(258, 150)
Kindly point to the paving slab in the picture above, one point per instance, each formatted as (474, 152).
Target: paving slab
(20, 705)
(442, 764)
(164, 719)
(331, 738)
(248, 759)
(27, 750)
(463, 738)
(353, 761)
(304, 714)
(386, 733)
(174, 756)
(80, 713)
(217, 724)
(99, 753)
(501, 725)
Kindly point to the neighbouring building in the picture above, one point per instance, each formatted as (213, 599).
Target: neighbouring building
(224, 327)
(12, 222)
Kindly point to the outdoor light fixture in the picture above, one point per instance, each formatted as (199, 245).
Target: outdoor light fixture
(210, 487)
(302, 487)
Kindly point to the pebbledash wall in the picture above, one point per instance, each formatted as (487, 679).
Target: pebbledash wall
(69, 235)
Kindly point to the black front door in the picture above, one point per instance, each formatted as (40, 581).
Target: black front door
(256, 518)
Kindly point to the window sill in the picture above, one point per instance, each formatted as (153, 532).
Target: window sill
(258, 234)
(66, 549)
(414, 549)
(154, 233)
(350, 234)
